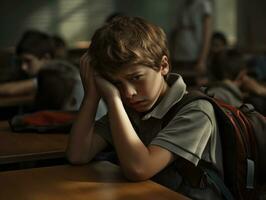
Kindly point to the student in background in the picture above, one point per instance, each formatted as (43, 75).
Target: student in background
(127, 64)
(218, 49)
(235, 85)
(56, 84)
(191, 38)
(52, 81)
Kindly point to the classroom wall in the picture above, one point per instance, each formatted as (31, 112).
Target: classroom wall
(76, 20)
(252, 25)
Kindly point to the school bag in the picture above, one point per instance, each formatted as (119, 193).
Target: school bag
(243, 139)
(46, 121)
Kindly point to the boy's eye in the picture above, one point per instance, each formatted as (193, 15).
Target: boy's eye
(135, 78)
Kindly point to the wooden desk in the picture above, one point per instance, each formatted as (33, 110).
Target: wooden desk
(96, 181)
(9, 101)
(23, 147)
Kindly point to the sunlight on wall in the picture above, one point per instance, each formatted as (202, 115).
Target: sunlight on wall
(74, 20)
(41, 17)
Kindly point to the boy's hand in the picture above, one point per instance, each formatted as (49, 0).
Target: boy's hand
(87, 75)
(106, 89)
(253, 86)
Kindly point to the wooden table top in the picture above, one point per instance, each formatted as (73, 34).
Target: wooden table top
(95, 181)
(7, 101)
(22, 147)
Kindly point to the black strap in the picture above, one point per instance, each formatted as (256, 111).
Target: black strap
(187, 98)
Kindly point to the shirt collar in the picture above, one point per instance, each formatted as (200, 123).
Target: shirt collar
(177, 89)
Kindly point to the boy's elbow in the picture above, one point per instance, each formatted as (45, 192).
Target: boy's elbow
(76, 160)
(137, 174)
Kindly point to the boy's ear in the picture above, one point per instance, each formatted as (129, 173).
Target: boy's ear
(164, 66)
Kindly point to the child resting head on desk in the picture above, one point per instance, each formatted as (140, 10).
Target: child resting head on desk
(56, 83)
(127, 64)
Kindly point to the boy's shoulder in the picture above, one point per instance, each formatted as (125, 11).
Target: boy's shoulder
(190, 106)
(201, 105)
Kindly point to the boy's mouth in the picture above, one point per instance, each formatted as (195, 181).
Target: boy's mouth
(133, 103)
(137, 104)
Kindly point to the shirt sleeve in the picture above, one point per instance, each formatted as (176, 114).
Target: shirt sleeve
(188, 133)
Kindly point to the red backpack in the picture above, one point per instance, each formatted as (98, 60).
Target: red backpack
(243, 138)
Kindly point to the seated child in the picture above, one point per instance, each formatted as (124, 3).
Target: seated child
(56, 83)
(127, 64)
(235, 84)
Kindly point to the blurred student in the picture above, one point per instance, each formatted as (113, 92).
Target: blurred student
(55, 83)
(128, 65)
(191, 37)
(52, 81)
(218, 49)
(235, 85)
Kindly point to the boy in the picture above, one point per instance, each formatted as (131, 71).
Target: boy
(55, 83)
(127, 65)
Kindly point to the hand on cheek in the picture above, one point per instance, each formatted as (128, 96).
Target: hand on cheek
(106, 89)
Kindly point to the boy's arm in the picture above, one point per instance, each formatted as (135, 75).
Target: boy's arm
(253, 86)
(137, 161)
(18, 87)
(83, 144)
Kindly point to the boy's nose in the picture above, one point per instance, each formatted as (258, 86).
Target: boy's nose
(129, 91)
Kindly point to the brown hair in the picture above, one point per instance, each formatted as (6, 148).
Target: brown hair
(37, 43)
(127, 41)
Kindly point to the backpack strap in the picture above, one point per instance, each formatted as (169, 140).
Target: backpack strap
(212, 174)
(218, 182)
(187, 98)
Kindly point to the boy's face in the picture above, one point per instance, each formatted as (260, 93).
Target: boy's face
(141, 86)
(31, 64)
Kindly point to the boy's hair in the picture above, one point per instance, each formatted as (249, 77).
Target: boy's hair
(36, 43)
(219, 36)
(59, 42)
(127, 41)
(231, 64)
